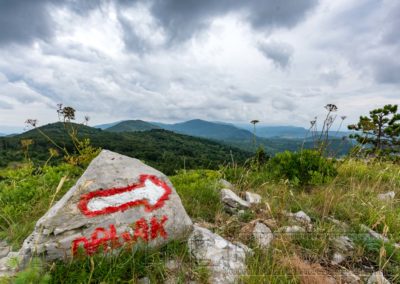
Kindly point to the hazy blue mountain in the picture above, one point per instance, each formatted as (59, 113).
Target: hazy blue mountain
(2, 134)
(106, 125)
(132, 126)
(206, 129)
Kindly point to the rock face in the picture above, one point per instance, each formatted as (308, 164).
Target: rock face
(225, 260)
(118, 201)
(262, 235)
(232, 202)
(252, 198)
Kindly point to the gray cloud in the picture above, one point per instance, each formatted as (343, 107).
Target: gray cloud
(23, 21)
(280, 53)
(183, 18)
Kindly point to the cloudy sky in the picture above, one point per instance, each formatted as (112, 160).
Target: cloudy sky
(172, 60)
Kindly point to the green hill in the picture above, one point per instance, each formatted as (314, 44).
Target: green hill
(165, 150)
(132, 125)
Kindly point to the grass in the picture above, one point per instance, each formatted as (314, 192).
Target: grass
(351, 197)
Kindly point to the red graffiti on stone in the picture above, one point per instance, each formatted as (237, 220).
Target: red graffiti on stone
(150, 192)
(109, 239)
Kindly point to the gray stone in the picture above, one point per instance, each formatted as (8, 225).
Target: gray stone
(337, 258)
(225, 260)
(232, 201)
(343, 244)
(262, 235)
(378, 236)
(252, 198)
(115, 194)
(387, 196)
(377, 278)
(144, 280)
(300, 216)
(338, 223)
(291, 230)
(225, 184)
(349, 277)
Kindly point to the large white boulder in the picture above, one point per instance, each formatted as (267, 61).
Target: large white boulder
(118, 202)
(225, 260)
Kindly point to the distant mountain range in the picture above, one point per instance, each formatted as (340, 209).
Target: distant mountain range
(272, 138)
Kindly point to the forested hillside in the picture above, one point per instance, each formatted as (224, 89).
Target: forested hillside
(163, 149)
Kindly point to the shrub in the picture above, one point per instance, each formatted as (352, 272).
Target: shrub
(307, 167)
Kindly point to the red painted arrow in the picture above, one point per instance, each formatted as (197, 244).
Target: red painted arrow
(150, 192)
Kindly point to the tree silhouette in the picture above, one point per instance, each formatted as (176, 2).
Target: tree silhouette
(381, 130)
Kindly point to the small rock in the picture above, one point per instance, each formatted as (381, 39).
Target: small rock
(377, 278)
(172, 265)
(262, 235)
(252, 198)
(144, 280)
(291, 230)
(387, 196)
(343, 244)
(337, 258)
(226, 261)
(225, 183)
(378, 236)
(232, 201)
(349, 277)
(300, 216)
(338, 223)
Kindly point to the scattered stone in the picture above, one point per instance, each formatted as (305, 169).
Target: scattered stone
(144, 280)
(232, 202)
(291, 230)
(300, 216)
(342, 246)
(377, 278)
(226, 184)
(252, 198)
(387, 196)
(114, 194)
(172, 265)
(337, 258)
(338, 223)
(378, 236)
(262, 235)
(225, 260)
(349, 277)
